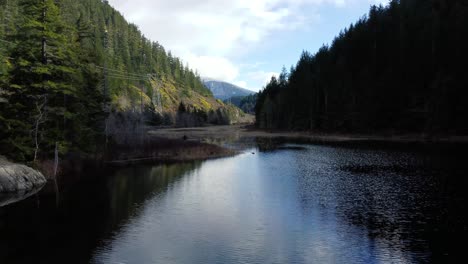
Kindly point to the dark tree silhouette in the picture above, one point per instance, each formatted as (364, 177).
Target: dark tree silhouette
(398, 69)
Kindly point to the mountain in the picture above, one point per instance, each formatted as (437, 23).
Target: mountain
(223, 90)
(245, 103)
(76, 71)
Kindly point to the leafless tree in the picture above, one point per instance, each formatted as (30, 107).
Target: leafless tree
(39, 118)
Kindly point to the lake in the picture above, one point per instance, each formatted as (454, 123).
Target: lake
(289, 204)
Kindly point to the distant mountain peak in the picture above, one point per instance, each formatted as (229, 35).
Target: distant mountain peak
(224, 90)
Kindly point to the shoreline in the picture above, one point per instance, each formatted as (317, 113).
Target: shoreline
(212, 142)
(165, 149)
(186, 157)
(175, 145)
(242, 131)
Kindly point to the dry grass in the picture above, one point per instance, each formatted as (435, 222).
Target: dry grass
(166, 149)
(244, 131)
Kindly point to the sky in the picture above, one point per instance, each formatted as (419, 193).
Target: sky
(243, 42)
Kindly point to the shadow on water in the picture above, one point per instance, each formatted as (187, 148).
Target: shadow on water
(89, 212)
(265, 144)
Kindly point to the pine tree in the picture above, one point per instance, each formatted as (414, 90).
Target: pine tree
(53, 77)
(41, 81)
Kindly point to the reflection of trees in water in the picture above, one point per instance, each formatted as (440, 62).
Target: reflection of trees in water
(10, 198)
(88, 213)
(268, 144)
(131, 187)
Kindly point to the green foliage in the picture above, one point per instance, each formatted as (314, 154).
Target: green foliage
(110, 40)
(50, 93)
(53, 86)
(245, 103)
(39, 78)
(401, 69)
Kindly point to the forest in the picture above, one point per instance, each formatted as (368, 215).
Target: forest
(245, 103)
(72, 71)
(399, 69)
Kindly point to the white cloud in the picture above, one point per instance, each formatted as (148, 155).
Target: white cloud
(217, 27)
(262, 76)
(241, 84)
(211, 34)
(213, 67)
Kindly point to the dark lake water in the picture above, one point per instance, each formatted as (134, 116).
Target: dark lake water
(293, 204)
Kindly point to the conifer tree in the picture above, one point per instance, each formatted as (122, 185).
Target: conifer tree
(40, 82)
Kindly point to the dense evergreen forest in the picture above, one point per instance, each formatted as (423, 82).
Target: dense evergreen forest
(399, 69)
(245, 103)
(72, 69)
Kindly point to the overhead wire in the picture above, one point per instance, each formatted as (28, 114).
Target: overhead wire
(116, 72)
(126, 78)
(122, 72)
(112, 73)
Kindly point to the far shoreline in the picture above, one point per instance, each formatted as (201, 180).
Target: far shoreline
(240, 131)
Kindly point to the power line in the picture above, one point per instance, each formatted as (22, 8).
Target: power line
(115, 74)
(128, 75)
(123, 72)
(126, 78)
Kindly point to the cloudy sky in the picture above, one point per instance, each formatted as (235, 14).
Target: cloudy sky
(242, 41)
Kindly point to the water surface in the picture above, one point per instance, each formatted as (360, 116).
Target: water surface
(293, 204)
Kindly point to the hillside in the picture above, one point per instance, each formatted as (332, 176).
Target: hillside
(400, 69)
(245, 103)
(223, 90)
(70, 66)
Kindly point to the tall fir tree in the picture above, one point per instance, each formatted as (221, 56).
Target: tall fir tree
(40, 83)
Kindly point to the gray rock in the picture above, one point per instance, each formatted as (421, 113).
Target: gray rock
(19, 178)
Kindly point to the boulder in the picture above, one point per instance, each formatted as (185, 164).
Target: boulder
(19, 178)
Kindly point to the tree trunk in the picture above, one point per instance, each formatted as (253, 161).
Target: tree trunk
(37, 122)
(44, 40)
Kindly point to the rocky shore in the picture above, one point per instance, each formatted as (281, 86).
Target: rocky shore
(18, 178)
